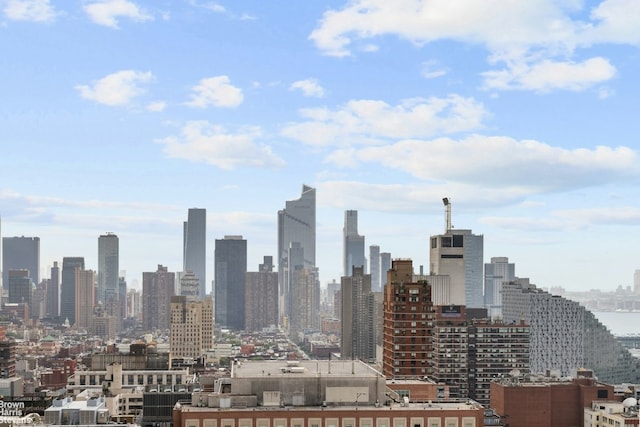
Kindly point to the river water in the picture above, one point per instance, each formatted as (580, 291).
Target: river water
(620, 323)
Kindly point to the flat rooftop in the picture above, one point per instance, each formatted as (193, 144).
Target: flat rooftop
(302, 368)
(436, 407)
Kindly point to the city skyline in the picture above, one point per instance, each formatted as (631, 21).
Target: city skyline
(119, 115)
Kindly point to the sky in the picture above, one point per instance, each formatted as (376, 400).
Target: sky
(120, 115)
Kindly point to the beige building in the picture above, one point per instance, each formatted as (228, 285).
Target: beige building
(85, 297)
(612, 413)
(191, 328)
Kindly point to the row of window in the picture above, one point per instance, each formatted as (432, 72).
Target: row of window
(336, 422)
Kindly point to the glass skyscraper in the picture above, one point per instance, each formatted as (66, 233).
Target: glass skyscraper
(195, 246)
(296, 224)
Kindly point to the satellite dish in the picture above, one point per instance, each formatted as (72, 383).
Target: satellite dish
(629, 402)
(515, 373)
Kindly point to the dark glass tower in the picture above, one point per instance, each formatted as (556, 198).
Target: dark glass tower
(230, 273)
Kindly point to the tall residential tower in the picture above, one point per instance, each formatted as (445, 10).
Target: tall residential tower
(352, 244)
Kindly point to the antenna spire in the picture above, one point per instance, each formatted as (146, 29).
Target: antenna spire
(447, 214)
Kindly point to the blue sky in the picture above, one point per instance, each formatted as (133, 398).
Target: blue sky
(119, 115)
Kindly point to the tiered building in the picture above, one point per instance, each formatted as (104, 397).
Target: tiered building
(566, 337)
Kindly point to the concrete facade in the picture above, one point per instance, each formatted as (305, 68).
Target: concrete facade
(566, 337)
(459, 255)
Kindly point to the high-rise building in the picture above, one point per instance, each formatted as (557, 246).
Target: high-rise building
(408, 323)
(230, 278)
(358, 308)
(53, 292)
(305, 303)
(261, 297)
(20, 287)
(385, 266)
(469, 353)
(565, 336)
(157, 290)
(21, 253)
(39, 299)
(352, 244)
(134, 303)
(108, 265)
(296, 224)
(374, 268)
(459, 254)
(499, 271)
(189, 285)
(195, 246)
(191, 330)
(68, 288)
(636, 282)
(85, 298)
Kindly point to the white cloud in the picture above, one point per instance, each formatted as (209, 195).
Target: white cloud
(201, 141)
(549, 75)
(156, 106)
(308, 87)
(417, 197)
(493, 23)
(217, 92)
(212, 6)
(432, 69)
(117, 89)
(30, 10)
(536, 40)
(503, 162)
(370, 122)
(602, 215)
(616, 21)
(107, 12)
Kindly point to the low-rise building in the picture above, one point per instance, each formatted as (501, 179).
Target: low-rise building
(547, 401)
(612, 413)
(313, 393)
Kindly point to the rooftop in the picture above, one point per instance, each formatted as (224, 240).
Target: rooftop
(303, 368)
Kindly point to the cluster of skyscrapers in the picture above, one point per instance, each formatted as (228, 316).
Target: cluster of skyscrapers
(431, 323)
